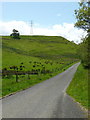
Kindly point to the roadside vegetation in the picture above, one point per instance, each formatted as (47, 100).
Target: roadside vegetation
(78, 87)
(33, 59)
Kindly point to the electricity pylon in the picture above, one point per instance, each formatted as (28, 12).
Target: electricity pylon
(31, 28)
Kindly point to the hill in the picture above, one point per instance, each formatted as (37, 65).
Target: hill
(41, 47)
(45, 55)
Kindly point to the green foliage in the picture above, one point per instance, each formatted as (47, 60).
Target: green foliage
(83, 21)
(83, 16)
(84, 51)
(15, 34)
(85, 55)
(78, 87)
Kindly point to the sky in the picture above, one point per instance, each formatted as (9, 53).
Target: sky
(48, 18)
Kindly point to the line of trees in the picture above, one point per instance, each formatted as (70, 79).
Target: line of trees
(83, 22)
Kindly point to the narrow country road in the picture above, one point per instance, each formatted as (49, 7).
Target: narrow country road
(44, 100)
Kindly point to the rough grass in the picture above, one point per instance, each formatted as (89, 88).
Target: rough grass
(36, 48)
(10, 85)
(57, 51)
(78, 87)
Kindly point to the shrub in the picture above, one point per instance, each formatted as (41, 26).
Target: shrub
(15, 34)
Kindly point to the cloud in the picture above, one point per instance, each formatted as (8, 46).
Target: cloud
(66, 30)
(70, 32)
(7, 27)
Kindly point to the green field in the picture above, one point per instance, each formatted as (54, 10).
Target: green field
(78, 88)
(49, 55)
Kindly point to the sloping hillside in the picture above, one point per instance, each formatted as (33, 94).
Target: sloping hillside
(44, 47)
(32, 59)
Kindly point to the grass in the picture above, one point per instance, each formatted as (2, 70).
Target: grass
(78, 87)
(35, 52)
(37, 48)
(10, 85)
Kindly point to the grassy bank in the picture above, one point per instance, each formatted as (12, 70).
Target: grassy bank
(10, 85)
(35, 53)
(78, 87)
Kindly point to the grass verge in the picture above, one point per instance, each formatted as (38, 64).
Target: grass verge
(78, 87)
(10, 85)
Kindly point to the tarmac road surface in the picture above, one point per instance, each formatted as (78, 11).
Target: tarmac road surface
(44, 100)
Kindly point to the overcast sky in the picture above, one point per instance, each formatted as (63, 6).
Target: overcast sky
(49, 18)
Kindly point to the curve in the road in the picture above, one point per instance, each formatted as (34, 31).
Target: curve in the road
(44, 100)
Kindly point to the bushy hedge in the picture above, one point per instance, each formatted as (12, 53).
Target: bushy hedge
(85, 52)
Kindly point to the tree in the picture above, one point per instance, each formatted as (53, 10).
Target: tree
(84, 52)
(83, 16)
(15, 34)
(83, 22)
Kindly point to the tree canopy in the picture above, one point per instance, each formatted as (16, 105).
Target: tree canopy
(15, 34)
(83, 16)
(83, 22)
